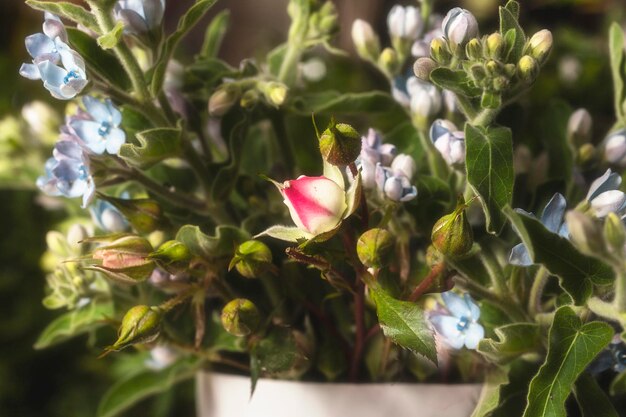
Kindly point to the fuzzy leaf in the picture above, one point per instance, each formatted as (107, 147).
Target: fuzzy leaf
(489, 164)
(572, 346)
(456, 81)
(286, 233)
(215, 34)
(125, 393)
(67, 10)
(223, 244)
(155, 145)
(592, 399)
(404, 323)
(616, 53)
(508, 21)
(577, 272)
(490, 394)
(514, 340)
(75, 322)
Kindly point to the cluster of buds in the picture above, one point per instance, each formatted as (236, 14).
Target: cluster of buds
(383, 169)
(247, 92)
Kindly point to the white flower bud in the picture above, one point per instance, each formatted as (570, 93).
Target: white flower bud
(540, 44)
(404, 22)
(615, 148)
(425, 98)
(440, 127)
(579, 126)
(452, 147)
(612, 201)
(459, 26)
(404, 164)
(365, 40)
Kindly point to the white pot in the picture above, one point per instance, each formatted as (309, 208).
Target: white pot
(220, 395)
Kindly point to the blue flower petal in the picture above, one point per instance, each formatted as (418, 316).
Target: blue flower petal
(474, 334)
(39, 44)
(520, 256)
(552, 216)
(455, 304)
(607, 182)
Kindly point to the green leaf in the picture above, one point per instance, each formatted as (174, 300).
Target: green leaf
(489, 164)
(185, 24)
(456, 81)
(210, 71)
(75, 322)
(490, 394)
(223, 244)
(101, 63)
(508, 21)
(275, 59)
(214, 35)
(111, 39)
(155, 146)
(592, 399)
(618, 385)
(515, 340)
(490, 100)
(226, 177)
(126, 393)
(616, 53)
(67, 10)
(553, 127)
(513, 7)
(577, 272)
(404, 323)
(572, 346)
(286, 233)
(278, 354)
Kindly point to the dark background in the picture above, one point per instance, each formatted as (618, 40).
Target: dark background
(68, 380)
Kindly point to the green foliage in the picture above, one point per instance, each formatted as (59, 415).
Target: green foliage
(509, 15)
(515, 339)
(223, 244)
(572, 346)
(111, 39)
(489, 162)
(454, 80)
(154, 146)
(592, 400)
(214, 35)
(67, 10)
(618, 70)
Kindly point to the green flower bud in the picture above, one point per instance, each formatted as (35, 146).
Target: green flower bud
(540, 45)
(275, 93)
(375, 247)
(527, 69)
(388, 61)
(173, 256)
(433, 256)
(141, 324)
(492, 67)
(249, 99)
(223, 99)
(452, 234)
(614, 232)
(478, 73)
(423, 67)
(240, 317)
(585, 233)
(474, 49)
(125, 260)
(439, 51)
(340, 144)
(495, 46)
(252, 258)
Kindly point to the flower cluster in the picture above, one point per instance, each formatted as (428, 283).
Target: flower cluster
(382, 168)
(61, 69)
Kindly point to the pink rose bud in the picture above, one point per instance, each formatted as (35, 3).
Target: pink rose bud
(316, 204)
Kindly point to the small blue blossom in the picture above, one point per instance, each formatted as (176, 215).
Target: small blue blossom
(449, 141)
(552, 219)
(140, 16)
(99, 131)
(604, 194)
(67, 173)
(394, 185)
(373, 151)
(458, 325)
(107, 217)
(61, 69)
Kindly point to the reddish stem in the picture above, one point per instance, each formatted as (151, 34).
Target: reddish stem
(427, 282)
(359, 341)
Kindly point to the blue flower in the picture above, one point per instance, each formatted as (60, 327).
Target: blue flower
(552, 219)
(107, 217)
(61, 69)
(394, 185)
(604, 195)
(67, 173)
(373, 151)
(100, 131)
(459, 324)
(449, 141)
(140, 16)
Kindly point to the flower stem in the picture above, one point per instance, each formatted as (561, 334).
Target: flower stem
(536, 291)
(485, 117)
(425, 284)
(495, 272)
(620, 291)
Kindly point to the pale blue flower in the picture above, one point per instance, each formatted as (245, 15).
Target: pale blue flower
(458, 326)
(67, 173)
(373, 151)
(140, 16)
(552, 219)
(449, 141)
(394, 186)
(604, 194)
(99, 131)
(107, 217)
(61, 69)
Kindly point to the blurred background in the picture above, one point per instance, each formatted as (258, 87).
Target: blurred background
(68, 380)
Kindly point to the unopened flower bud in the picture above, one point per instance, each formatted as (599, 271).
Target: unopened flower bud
(76, 234)
(615, 148)
(404, 164)
(585, 233)
(439, 51)
(275, 93)
(249, 99)
(495, 46)
(579, 127)
(340, 144)
(459, 26)
(426, 99)
(252, 259)
(474, 49)
(423, 67)
(365, 40)
(240, 317)
(587, 155)
(388, 61)
(141, 324)
(608, 202)
(527, 68)
(540, 45)
(222, 100)
(125, 259)
(375, 248)
(172, 256)
(452, 234)
(404, 22)
(614, 232)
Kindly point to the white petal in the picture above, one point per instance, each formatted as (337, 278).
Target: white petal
(474, 333)
(455, 304)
